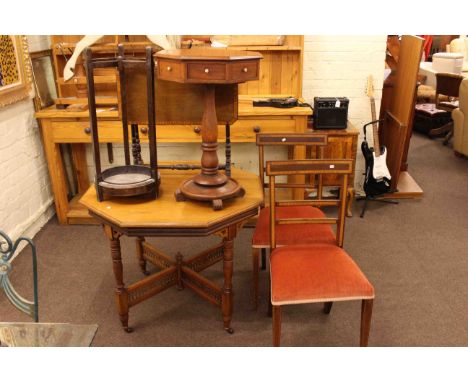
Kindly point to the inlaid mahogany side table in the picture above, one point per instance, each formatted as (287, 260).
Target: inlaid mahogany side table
(164, 216)
(210, 68)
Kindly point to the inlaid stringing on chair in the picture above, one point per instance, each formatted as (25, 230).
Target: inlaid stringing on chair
(261, 239)
(309, 273)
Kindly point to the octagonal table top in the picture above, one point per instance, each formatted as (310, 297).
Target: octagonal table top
(141, 216)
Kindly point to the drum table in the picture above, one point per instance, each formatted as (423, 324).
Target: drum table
(209, 68)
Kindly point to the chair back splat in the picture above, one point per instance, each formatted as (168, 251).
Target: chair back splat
(448, 84)
(338, 167)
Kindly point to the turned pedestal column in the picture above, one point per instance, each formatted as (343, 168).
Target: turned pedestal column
(208, 68)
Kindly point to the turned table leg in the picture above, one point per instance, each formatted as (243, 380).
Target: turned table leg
(140, 257)
(121, 294)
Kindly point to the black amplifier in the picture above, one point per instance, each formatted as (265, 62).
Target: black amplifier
(330, 112)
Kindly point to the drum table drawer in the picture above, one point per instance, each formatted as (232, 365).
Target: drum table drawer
(170, 70)
(244, 71)
(206, 71)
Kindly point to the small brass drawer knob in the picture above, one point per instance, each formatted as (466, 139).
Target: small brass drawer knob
(169, 68)
(87, 130)
(197, 129)
(245, 70)
(144, 130)
(207, 70)
(256, 129)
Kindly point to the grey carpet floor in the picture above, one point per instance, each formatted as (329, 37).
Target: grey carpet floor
(415, 254)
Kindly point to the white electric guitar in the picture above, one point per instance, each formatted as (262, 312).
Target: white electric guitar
(377, 174)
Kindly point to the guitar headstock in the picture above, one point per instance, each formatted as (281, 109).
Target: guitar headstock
(370, 87)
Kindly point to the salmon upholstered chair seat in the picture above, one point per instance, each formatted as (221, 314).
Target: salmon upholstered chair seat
(289, 234)
(316, 273)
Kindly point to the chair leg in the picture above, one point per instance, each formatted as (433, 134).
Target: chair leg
(448, 137)
(255, 259)
(276, 325)
(366, 315)
(270, 305)
(327, 307)
(441, 130)
(263, 259)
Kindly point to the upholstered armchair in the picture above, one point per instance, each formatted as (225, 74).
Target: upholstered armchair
(460, 45)
(460, 121)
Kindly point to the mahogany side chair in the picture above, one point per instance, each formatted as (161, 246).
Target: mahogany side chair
(448, 86)
(320, 272)
(288, 234)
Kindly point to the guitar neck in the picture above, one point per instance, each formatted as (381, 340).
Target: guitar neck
(375, 128)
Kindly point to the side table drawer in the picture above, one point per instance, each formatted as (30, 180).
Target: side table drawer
(80, 132)
(243, 130)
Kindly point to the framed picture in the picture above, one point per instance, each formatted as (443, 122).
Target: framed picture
(44, 78)
(15, 69)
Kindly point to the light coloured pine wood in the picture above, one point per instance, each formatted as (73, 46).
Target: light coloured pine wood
(78, 213)
(56, 171)
(80, 166)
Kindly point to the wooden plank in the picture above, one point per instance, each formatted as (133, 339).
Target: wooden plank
(263, 85)
(78, 152)
(78, 214)
(102, 100)
(276, 75)
(58, 177)
(109, 79)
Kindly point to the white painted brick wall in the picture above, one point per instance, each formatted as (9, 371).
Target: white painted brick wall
(25, 193)
(338, 66)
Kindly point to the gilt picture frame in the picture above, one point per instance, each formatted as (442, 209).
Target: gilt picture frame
(16, 76)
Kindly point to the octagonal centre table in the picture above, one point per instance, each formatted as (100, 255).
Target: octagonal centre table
(140, 218)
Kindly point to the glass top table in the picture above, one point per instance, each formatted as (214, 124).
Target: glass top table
(21, 334)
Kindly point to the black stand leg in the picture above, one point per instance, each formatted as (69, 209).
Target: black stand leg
(373, 199)
(364, 207)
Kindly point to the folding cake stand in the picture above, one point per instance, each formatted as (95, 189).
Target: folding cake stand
(136, 179)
